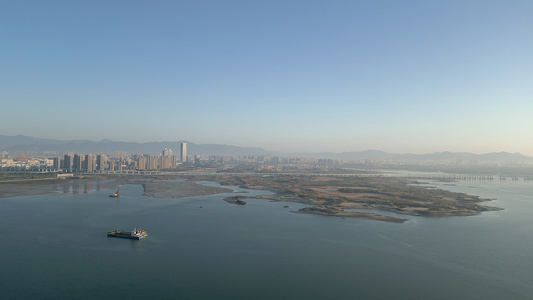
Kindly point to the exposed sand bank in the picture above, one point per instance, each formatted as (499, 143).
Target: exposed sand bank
(152, 188)
(325, 197)
(47, 186)
(181, 189)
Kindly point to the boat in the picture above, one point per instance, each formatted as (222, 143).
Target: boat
(116, 194)
(136, 234)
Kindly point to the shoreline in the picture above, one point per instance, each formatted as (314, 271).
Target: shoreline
(177, 190)
(327, 199)
(33, 187)
(236, 200)
(340, 212)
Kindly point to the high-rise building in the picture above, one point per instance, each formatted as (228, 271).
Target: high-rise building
(164, 162)
(67, 161)
(77, 162)
(57, 163)
(167, 152)
(173, 162)
(90, 162)
(141, 163)
(101, 162)
(183, 155)
(151, 162)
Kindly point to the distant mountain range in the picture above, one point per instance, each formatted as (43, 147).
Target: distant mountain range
(59, 147)
(496, 157)
(26, 143)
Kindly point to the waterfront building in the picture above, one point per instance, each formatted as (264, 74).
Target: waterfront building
(57, 163)
(90, 162)
(173, 162)
(77, 162)
(164, 162)
(101, 162)
(67, 161)
(167, 152)
(183, 154)
(151, 162)
(141, 163)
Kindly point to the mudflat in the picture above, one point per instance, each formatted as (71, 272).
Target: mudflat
(326, 195)
(181, 189)
(338, 196)
(49, 186)
(152, 188)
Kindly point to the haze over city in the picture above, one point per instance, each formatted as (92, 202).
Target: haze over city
(294, 76)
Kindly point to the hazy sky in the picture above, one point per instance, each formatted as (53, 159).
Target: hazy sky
(309, 76)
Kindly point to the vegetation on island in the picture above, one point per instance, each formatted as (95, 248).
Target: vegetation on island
(325, 194)
(337, 196)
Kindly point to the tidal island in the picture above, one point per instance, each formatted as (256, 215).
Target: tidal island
(355, 197)
(327, 195)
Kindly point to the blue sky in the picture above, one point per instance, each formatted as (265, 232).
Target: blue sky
(297, 76)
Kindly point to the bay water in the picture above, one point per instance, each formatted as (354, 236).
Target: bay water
(56, 247)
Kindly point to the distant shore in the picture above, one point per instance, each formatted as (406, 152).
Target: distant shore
(180, 189)
(339, 212)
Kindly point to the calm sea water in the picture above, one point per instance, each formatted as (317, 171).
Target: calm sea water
(55, 247)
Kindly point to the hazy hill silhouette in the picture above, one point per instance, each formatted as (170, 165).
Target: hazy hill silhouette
(26, 143)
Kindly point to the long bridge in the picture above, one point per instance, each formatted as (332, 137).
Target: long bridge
(416, 175)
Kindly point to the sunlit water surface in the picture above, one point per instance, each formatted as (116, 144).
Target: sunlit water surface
(55, 246)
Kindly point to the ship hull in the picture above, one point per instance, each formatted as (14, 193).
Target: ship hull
(116, 194)
(126, 235)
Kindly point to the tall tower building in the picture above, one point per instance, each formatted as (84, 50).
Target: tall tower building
(151, 162)
(167, 152)
(57, 163)
(101, 161)
(90, 162)
(183, 155)
(67, 161)
(164, 162)
(173, 162)
(141, 163)
(77, 162)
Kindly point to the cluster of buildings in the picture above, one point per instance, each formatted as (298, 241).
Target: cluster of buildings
(98, 162)
(24, 163)
(372, 162)
(167, 160)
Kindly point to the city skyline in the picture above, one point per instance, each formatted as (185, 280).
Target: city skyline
(20, 149)
(291, 76)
